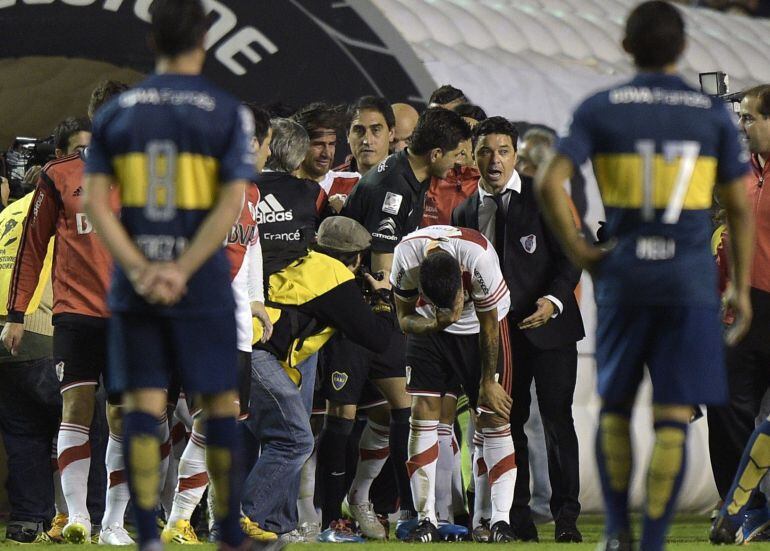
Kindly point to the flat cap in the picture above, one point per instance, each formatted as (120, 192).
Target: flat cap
(343, 234)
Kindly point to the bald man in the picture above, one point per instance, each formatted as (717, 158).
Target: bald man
(406, 120)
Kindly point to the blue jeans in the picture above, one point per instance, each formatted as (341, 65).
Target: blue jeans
(280, 421)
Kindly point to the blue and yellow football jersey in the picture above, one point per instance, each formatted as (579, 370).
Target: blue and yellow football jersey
(658, 147)
(171, 142)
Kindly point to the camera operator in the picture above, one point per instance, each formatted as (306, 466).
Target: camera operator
(308, 301)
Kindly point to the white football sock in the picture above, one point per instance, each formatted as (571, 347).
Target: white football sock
(373, 451)
(193, 479)
(74, 459)
(501, 462)
(423, 456)
(117, 488)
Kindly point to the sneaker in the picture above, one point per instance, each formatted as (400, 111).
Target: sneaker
(214, 534)
(289, 537)
(77, 530)
(404, 526)
(368, 523)
(501, 532)
(617, 542)
(57, 525)
(482, 533)
(340, 531)
(95, 530)
(424, 532)
(451, 532)
(114, 535)
(20, 532)
(43, 538)
(252, 529)
(310, 530)
(179, 532)
(724, 531)
(754, 522)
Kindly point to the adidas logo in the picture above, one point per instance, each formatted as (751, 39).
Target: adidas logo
(271, 210)
(78, 192)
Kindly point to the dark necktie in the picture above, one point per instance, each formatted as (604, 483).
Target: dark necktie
(500, 224)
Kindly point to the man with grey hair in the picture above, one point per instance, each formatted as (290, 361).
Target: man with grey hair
(288, 146)
(287, 213)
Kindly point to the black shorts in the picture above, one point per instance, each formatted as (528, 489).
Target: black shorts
(443, 363)
(79, 350)
(348, 369)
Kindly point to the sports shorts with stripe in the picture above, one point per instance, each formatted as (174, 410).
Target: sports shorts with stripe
(442, 363)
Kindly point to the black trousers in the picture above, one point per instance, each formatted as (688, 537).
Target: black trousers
(748, 377)
(30, 410)
(554, 372)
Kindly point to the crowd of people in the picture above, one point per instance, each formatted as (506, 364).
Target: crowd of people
(304, 382)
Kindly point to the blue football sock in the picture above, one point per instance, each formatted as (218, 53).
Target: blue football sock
(752, 468)
(142, 457)
(664, 480)
(615, 462)
(222, 460)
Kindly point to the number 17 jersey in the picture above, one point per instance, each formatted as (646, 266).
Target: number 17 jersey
(658, 148)
(170, 143)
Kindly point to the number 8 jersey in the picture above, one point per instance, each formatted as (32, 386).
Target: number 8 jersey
(658, 147)
(170, 143)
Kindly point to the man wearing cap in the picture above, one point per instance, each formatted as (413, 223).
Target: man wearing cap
(308, 301)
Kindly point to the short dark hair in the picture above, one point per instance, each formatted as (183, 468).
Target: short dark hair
(66, 128)
(471, 111)
(440, 128)
(374, 103)
(178, 26)
(261, 121)
(762, 93)
(103, 92)
(654, 34)
(319, 115)
(440, 278)
(445, 94)
(496, 125)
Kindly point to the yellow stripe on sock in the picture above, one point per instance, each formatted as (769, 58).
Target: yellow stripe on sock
(616, 447)
(144, 462)
(759, 463)
(665, 466)
(219, 463)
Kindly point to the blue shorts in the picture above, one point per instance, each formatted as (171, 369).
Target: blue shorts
(146, 350)
(680, 345)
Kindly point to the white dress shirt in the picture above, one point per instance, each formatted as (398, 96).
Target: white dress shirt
(488, 211)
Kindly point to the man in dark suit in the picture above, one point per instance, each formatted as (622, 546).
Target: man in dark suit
(545, 320)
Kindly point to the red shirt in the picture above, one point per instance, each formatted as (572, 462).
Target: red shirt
(443, 196)
(759, 198)
(81, 264)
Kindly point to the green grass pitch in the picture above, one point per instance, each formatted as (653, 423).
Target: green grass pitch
(688, 533)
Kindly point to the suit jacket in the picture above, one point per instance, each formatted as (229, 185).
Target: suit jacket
(534, 266)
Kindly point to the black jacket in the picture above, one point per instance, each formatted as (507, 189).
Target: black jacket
(287, 218)
(531, 275)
